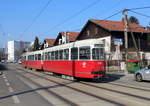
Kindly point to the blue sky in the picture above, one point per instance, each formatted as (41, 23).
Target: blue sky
(16, 15)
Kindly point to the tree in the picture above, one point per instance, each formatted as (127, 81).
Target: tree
(133, 19)
(36, 44)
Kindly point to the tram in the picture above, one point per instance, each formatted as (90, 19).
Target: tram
(79, 59)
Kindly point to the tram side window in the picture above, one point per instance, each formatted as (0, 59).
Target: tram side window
(32, 57)
(66, 54)
(98, 53)
(53, 55)
(46, 56)
(74, 53)
(56, 55)
(84, 52)
(60, 54)
(49, 55)
(39, 56)
(36, 57)
(28, 58)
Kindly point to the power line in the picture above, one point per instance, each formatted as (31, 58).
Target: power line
(140, 14)
(36, 17)
(113, 15)
(139, 8)
(76, 14)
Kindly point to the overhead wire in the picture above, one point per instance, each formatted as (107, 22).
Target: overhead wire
(113, 15)
(36, 17)
(140, 13)
(139, 8)
(76, 14)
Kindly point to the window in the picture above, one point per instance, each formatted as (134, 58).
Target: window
(74, 53)
(36, 57)
(84, 52)
(60, 54)
(53, 55)
(49, 55)
(46, 56)
(56, 55)
(98, 53)
(32, 57)
(96, 30)
(88, 33)
(66, 54)
(39, 56)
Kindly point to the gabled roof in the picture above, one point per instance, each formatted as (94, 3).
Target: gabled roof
(50, 42)
(70, 35)
(119, 26)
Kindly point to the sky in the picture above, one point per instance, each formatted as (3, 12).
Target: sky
(17, 15)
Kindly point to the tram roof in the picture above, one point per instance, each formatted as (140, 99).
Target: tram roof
(33, 52)
(80, 43)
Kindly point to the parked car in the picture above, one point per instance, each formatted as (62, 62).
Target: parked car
(143, 74)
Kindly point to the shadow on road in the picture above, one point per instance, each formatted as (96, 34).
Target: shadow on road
(2, 67)
(34, 90)
(107, 79)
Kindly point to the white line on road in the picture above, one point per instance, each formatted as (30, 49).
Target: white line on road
(4, 76)
(6, 80)
(7, 83)
(43, 93)
(15, 98)
(10, 89)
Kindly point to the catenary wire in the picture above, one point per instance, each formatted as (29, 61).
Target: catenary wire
(140, 13)
(139, 8)
(36, 17)
(76, 14)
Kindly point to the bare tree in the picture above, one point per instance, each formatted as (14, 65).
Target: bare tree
(133, 19)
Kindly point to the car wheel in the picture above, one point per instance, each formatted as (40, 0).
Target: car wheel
(139, 77)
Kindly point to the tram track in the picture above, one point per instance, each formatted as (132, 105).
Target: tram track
(124, 93)
(132, 87)
(47, 89)
(111, 90)
(78, 90)
(116, 84)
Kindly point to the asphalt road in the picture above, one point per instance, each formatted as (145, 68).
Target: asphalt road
(22, 87)
(15, 92)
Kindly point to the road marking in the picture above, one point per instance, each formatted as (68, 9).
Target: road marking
(7, 83)
(15, 98)
(6, 80)
(10, 89)
(44, 94)
(4, 76)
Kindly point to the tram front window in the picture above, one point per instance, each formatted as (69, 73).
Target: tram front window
(98, 53)
(84, 52)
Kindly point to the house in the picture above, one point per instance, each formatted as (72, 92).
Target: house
(112, 31)
(47, 43)
(65, 37)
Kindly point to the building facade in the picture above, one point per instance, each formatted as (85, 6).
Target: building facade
(112, 31)
(15, 49)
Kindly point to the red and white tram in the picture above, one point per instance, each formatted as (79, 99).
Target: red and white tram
(80, 59)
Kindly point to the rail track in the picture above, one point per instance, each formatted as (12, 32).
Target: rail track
(95, 86)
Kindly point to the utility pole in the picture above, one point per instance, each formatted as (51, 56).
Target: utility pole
(125, 13)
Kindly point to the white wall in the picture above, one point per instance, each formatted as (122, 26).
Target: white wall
(15, 45)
